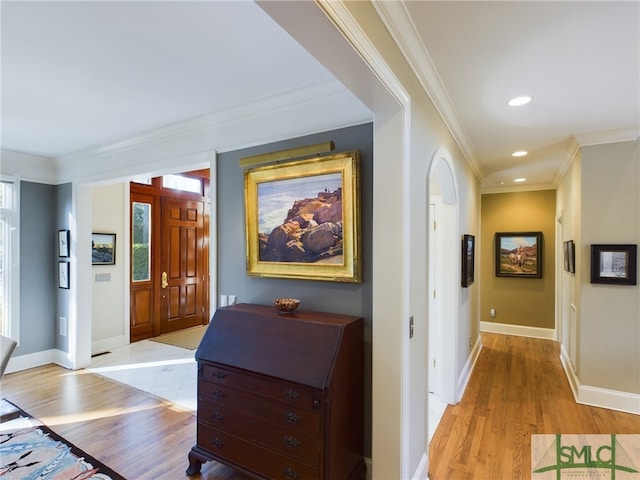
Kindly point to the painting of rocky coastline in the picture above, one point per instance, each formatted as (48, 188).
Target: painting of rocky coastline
(303, 219)
(300, 220)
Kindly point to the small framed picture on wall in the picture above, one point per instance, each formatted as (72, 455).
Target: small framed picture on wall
(63, 243)
(63, 275)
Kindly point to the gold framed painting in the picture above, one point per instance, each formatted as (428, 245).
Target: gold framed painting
(303, 219)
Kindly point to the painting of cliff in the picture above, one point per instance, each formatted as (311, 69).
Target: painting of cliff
(303, 219)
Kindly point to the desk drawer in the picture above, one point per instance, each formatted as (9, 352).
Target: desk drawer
(230, 449)
(295, 395)
(280, 437)
(279, 413)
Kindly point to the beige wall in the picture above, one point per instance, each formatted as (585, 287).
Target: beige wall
(608, 321)
(108, 308)
(518, 301)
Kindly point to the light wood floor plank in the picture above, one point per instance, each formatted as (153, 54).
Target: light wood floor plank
(518, 388)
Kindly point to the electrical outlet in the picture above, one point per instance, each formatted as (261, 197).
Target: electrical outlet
(231, 299)
(63, 326)
(492, 312)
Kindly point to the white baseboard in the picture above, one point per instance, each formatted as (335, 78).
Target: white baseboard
(519, 330)
(423, 468)
(32, 360)
(101, 346)
(463, 379)
(596, 396)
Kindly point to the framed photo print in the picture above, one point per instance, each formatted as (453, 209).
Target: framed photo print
(63, 275)
(103, 248)
(569, 256)
(468, 259)
(614, 264)
(303, 219)
(518, 254)
(63, 243)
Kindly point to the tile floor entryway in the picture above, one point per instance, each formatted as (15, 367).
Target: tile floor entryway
(170, 372)
(163, 370)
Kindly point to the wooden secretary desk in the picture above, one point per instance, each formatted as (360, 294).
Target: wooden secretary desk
(280, 396)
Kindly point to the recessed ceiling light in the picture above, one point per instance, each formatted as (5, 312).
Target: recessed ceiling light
(519, 101)
(520, 153)
(520, 180)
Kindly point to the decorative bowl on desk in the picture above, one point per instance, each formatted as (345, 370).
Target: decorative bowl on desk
(286, 305)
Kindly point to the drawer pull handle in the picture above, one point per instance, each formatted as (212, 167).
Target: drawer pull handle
(291, 394)
(220, 375)
(292, 442)
(218, 393)
(217, 442)
(218, 416)
(292, 417)
(290, 472)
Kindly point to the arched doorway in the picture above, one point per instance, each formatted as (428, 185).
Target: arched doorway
(444, 280)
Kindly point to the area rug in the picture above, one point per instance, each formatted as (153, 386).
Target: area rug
(188, 338)
(31, 450)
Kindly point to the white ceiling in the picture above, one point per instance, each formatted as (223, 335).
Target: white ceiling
(77, 75)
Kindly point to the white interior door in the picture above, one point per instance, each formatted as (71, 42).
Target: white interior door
(436, 295)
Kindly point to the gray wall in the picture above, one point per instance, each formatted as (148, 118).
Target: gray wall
(350, 299)
(38, 267)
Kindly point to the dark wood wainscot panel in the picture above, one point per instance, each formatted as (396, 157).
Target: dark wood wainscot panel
(281, 396)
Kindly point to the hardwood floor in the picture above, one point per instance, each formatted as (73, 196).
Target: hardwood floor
(138, 435)
(518, 388)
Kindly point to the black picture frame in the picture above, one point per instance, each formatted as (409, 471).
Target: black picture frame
(63, 243)
(468, 260)
(103, 248)
(518, 254)
(614, 264)
(63, 275)
(569, 256)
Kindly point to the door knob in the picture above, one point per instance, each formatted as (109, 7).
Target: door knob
(164, 280)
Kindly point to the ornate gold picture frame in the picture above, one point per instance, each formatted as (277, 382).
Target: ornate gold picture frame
(303, 219)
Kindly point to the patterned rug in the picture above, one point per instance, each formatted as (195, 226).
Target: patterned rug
(30, 450)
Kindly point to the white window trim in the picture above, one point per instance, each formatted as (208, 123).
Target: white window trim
(12, 302)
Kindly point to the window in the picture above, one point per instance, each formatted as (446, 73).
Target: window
(9, 256)
(180, 182)
(141, 244)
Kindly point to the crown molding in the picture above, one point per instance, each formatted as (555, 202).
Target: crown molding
(208, 122)
(30, 168)
(571, 150)
(401, 27)
(610, 136)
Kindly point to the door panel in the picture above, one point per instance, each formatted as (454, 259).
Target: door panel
(184, 259)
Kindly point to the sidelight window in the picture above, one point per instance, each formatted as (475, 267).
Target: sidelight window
(141, 244)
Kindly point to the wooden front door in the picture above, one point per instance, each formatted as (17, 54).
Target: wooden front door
(183, 264)
(169, 256)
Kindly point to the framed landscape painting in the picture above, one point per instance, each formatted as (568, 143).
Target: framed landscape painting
(103, 249)
(518, 254)
(303, 219)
